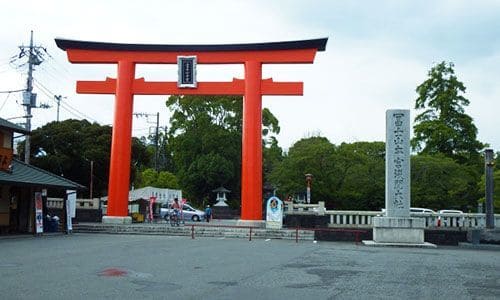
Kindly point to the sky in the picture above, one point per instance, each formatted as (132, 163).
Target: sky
(378, 52)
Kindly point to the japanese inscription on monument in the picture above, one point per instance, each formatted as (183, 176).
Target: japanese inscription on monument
(397, 193)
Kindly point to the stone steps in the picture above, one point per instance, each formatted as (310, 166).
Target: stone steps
(199, 231)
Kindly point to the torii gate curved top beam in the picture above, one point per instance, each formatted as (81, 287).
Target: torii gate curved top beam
(252, 87)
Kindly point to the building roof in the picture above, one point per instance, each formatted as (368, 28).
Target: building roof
(221, 189)
(11, 126)
(162, 195)
(23, 174)
(319, 44)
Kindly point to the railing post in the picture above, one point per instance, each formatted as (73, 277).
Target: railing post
(297, 234)
(250, 236)
(192, 232)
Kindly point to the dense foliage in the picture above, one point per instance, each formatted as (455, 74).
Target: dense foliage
(443, 127)
(67, 148)
(204, 142)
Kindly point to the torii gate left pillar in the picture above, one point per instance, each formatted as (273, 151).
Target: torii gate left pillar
(253, 87)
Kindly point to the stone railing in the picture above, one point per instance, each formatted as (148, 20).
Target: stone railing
(364, 219)
(352, 218)
(80, 203)
(291, 208)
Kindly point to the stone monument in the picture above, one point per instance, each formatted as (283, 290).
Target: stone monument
(396, 228)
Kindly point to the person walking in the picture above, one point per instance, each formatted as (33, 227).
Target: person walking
(208, 213)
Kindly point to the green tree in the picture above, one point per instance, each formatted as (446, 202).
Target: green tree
(496, 191)
(438, 182)
(349, 176)
(310, 155)
(204, 141)
(359, 176)
(162, 179)
(443, 127)
(66, 148)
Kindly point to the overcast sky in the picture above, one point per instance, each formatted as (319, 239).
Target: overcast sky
(377, 53)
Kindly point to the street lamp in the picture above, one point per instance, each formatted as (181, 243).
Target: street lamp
(309, 181)
(91, 179)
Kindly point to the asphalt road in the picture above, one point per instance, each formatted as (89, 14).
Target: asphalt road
(99, 266)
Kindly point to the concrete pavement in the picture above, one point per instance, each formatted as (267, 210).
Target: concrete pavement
(102, 266)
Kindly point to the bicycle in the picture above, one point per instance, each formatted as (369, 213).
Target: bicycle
(174, 218)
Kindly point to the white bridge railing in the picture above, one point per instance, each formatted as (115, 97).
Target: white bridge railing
(364, 219)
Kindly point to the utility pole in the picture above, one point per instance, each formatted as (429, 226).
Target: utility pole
(91, 178)
(489, 163)
(58, 100)
(157, 154)
(29, 98)
(156, 135)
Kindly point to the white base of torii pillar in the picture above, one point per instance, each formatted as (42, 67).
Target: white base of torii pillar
(397, 228)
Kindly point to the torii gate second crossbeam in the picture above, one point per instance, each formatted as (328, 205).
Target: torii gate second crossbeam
(252, 87)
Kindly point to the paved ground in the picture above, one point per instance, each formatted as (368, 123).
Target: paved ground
(99, 266)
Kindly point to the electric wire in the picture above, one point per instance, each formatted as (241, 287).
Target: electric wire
(64, 105)
(12, 91)
(5, 101)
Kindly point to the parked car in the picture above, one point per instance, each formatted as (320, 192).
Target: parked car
(415, 210)
(453, 213)
(419, 210)
(188, 213)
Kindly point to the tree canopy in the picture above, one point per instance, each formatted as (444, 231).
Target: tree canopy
(204, 141)
(439, 182)
(443, 126)
(161, 179)
(66, 148)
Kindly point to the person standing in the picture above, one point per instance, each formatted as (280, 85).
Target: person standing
(208, 213)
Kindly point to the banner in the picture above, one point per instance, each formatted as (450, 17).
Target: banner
(70, 208)
(38, 212)
(152, 201)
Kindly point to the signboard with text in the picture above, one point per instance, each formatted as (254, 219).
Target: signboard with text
(186, 71)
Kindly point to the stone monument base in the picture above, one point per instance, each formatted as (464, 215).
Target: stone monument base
(116, 220)
(252, 223)
(398, 231)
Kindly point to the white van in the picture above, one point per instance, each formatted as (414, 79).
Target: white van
(418, 210)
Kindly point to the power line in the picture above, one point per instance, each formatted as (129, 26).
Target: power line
(11, 91)
(64, 105)
(147, 115)
(5, 101)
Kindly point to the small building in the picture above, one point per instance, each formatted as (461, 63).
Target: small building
(138, 201)
(19, 182)
(161, 195)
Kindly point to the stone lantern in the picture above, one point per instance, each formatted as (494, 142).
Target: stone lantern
(221, 196)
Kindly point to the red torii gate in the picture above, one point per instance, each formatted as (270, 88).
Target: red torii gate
(126, 56)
